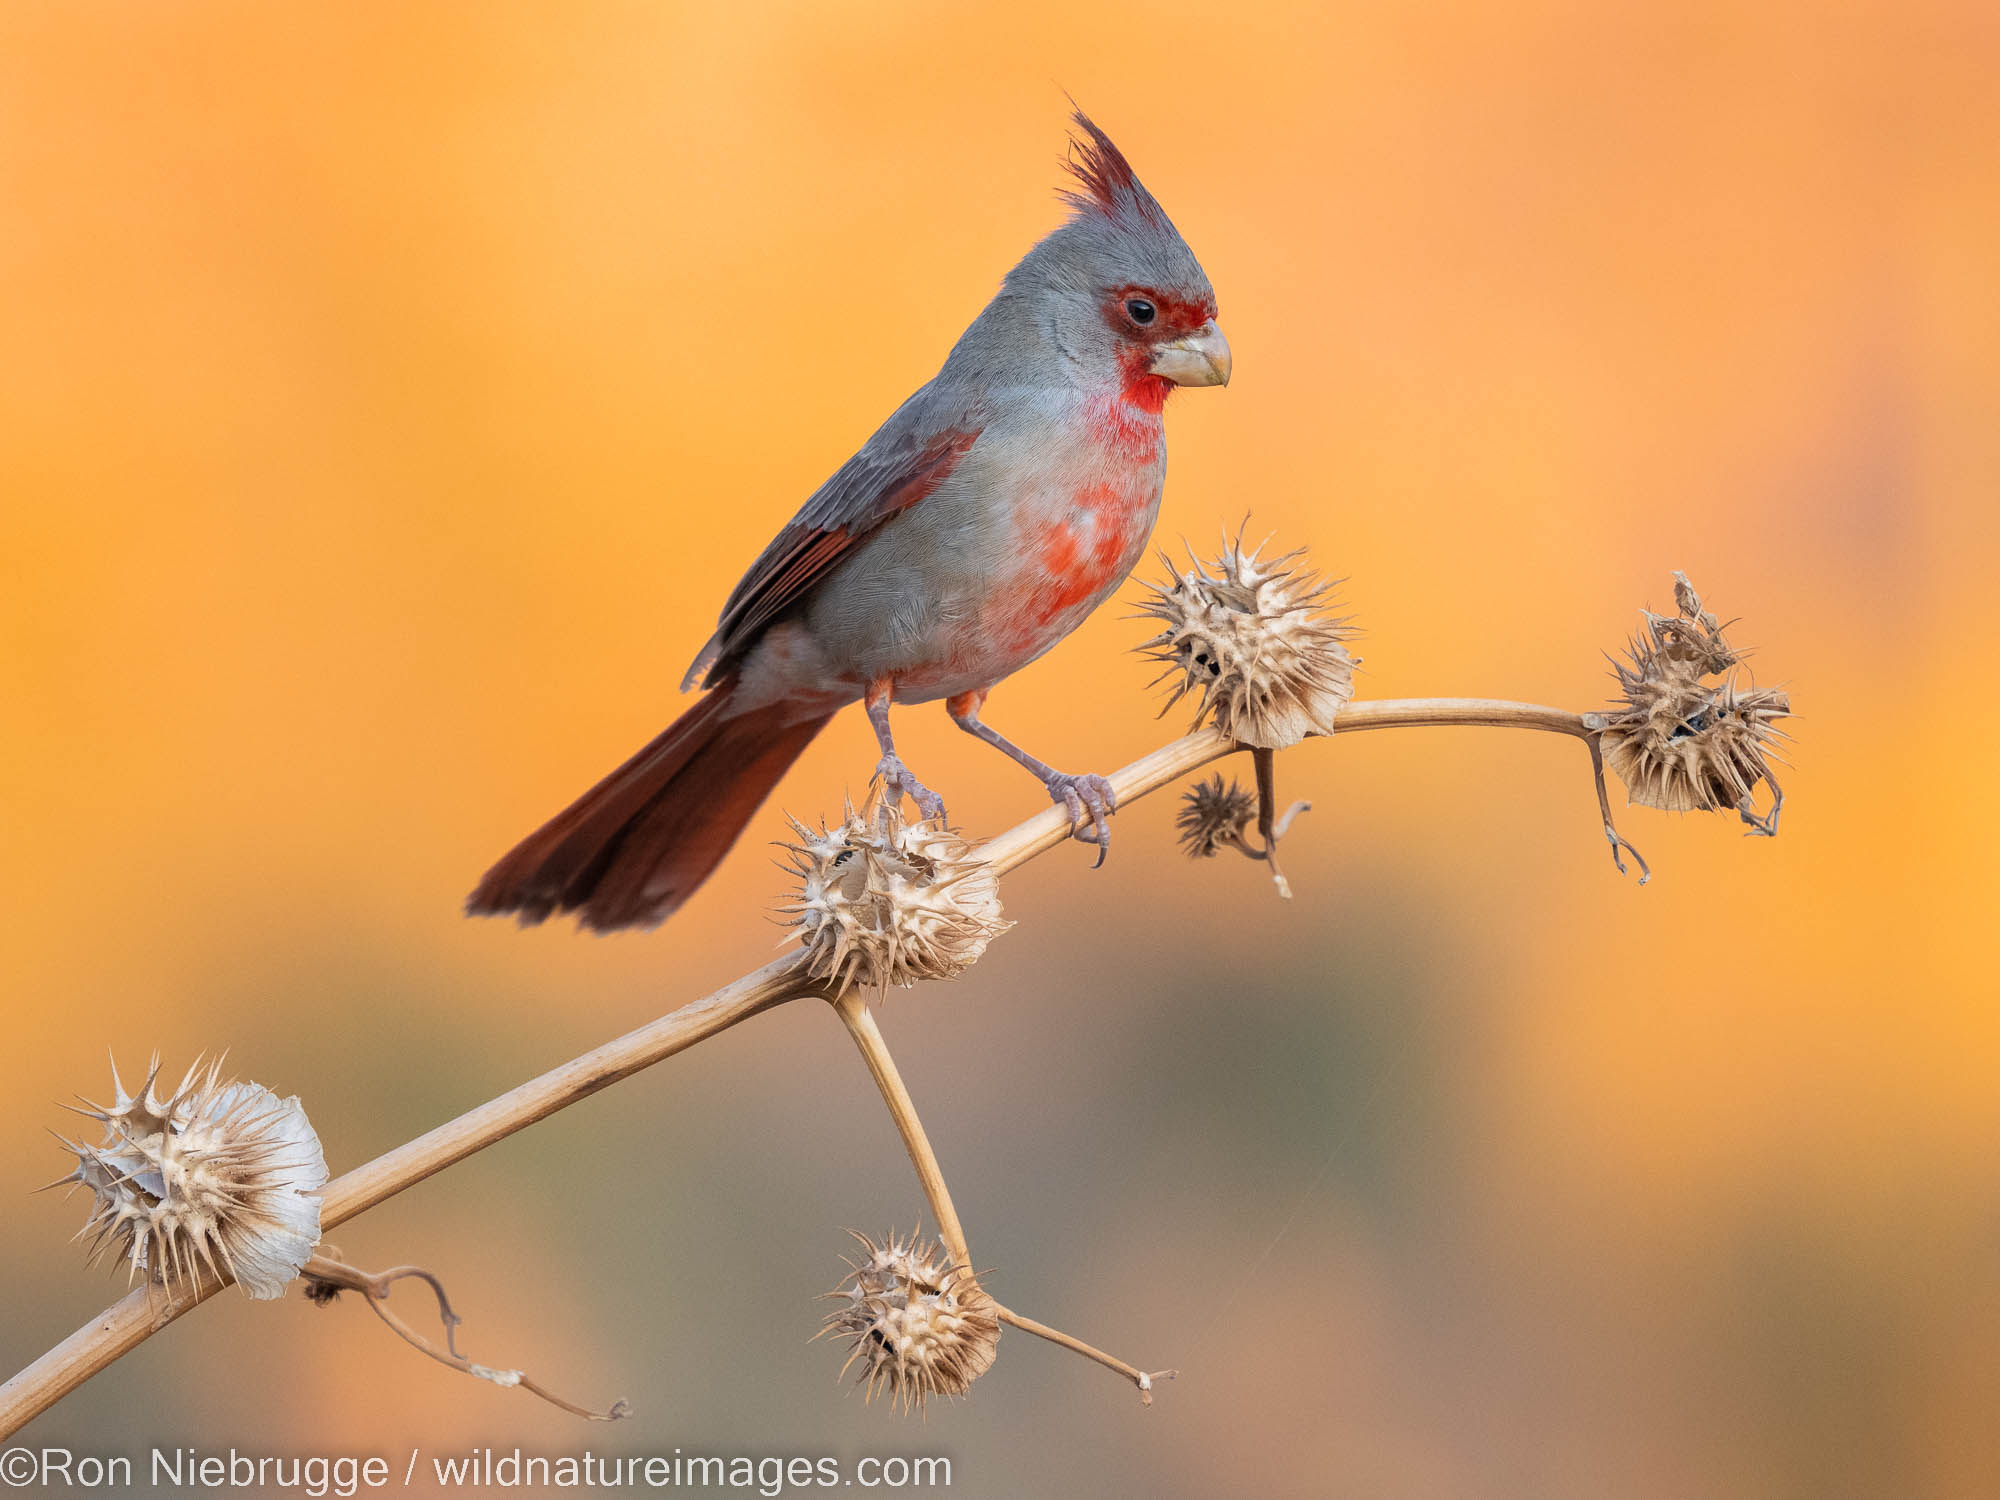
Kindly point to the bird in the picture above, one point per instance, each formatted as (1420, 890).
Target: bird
(990, 514)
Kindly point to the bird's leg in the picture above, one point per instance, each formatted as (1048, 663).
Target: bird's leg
(1085, 797)
(889, 770)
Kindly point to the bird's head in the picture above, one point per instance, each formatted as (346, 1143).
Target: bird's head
(1115, 289)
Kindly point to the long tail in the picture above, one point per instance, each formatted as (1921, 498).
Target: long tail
(630, 850)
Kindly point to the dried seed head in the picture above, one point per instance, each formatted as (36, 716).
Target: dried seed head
(918, 1325)
(882, 901)
(1252, 638)
(1213, 817)
(1688, 736)
(218, 1176)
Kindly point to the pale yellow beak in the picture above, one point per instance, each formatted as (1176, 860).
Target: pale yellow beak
(1202, 358)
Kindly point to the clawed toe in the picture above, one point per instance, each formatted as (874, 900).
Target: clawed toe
(1088, 800)
(897, 781)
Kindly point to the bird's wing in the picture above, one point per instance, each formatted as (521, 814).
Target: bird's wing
(907, 458)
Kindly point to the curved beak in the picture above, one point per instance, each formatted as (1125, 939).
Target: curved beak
(1202, 358)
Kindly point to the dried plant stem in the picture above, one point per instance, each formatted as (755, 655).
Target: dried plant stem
(1619, 847)
(352, 1192)
(329, 1271)
(1140, 1378)
(860, 1022)
(1266, 762)
(1491, 713)
(1169, 763)
(141, 1313)
(852, 1008)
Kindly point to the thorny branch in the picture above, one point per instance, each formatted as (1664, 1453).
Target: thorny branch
(143, 1312)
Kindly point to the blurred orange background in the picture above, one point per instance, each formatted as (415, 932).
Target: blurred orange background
(392, 393)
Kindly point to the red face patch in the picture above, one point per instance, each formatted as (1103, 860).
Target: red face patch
(1173, 317)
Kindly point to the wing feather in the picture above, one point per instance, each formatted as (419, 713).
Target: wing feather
(909, 456)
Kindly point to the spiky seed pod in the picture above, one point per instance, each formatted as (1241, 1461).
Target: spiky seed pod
(882, 901)
(918, 1325)
(1688, 748)
(1252, 637)
(1214, 817)
(1687, 736)
(218, 1176)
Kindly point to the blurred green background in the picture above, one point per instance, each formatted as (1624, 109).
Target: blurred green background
(394, 391)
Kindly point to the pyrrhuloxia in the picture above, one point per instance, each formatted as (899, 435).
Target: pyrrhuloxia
(998, 506)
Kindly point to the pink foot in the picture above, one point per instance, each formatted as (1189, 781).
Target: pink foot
(898, 783)
(1084, 797)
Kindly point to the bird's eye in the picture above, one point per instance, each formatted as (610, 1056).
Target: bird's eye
(1140, 311)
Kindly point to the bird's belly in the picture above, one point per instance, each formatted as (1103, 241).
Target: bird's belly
(1000, 564)
(1064, 554)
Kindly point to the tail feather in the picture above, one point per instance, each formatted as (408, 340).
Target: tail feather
(633, 848)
